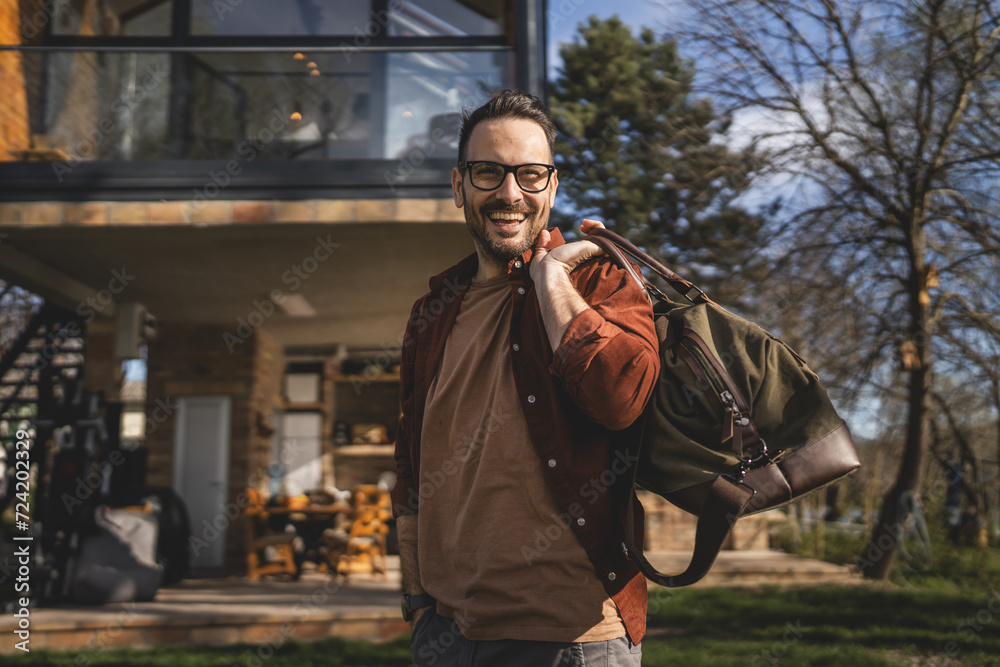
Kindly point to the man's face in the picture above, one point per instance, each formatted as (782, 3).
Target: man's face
(505, 222)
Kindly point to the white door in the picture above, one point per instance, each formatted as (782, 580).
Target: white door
(300, 451)
(201, 472)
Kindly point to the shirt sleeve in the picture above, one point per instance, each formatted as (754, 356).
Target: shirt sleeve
(608, 358)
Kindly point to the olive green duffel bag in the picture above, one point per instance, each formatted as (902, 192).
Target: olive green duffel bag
(737, 424)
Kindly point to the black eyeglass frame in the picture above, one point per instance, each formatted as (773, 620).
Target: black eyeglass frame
(508, 169)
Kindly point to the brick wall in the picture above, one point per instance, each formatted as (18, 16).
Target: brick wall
(191, 360)
(14, 110)
(268, 371)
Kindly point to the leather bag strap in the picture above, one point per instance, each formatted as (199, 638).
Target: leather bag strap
(684, 288)
(726, 502)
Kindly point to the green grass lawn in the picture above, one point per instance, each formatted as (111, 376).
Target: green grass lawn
(855, 626)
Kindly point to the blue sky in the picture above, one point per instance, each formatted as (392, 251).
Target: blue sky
(565, 15)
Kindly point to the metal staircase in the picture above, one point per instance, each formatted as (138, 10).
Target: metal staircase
(76, 462)
(42, 350)
(41, 362)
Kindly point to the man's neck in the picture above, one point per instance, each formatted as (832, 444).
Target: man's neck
(488, 268)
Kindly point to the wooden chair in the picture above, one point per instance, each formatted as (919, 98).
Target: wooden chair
(366, 550)
(261, 540)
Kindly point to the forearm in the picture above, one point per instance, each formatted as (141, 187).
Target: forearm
(607, 371)
(406, 530)
(559, 303)
(608, 355)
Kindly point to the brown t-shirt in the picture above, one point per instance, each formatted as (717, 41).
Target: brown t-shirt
(493, 546)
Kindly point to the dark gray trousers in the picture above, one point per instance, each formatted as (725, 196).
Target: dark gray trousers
(437, 642)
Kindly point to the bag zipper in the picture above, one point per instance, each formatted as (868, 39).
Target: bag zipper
(728, 398)
(712, 384)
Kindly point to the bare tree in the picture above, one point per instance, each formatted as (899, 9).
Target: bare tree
(886, 115)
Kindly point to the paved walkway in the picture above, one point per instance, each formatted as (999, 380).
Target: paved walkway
(232, 610)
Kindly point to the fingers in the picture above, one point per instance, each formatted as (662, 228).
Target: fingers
(593, 250)
(587, 225)
(564, 258)
(574, 254)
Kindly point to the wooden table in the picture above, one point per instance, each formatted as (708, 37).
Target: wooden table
(310, 521)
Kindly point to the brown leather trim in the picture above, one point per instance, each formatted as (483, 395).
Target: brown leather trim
(692, 498)
(814, 466)
(824, 461)
(771, 486)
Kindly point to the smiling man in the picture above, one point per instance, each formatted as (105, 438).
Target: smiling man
(523, 369)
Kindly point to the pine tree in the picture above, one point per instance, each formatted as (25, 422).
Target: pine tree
(637, 151)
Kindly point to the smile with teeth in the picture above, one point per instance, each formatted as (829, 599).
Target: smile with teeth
(500, 217)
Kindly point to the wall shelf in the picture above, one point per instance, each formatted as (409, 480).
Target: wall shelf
(361, 378)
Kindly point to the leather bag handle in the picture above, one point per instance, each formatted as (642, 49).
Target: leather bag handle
(684, 288)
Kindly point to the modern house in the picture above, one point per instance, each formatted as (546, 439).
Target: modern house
(264, 185)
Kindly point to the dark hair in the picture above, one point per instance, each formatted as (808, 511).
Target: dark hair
(504, 105)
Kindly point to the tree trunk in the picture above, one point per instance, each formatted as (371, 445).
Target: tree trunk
(883, 547)
(996, 497)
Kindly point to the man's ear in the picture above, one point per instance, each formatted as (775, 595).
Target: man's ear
(456, 187)
(553, 187)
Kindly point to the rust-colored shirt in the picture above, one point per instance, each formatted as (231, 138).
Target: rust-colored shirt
(493, 549)
(578, 404)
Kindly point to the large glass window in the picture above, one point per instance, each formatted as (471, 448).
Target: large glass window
(273, 106)
(98, 106)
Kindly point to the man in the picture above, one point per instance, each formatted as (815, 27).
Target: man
(522, 370)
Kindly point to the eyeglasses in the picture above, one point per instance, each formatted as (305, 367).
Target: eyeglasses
(490, 175)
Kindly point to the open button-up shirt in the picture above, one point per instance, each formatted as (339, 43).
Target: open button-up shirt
(580, 404)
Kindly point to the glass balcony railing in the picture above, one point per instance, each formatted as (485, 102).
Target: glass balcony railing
(72, 105)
